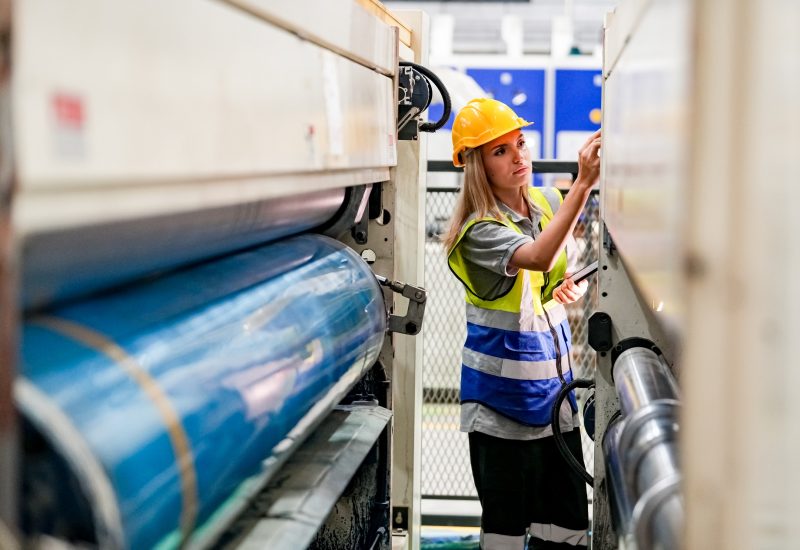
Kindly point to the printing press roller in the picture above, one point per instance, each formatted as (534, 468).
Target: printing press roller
(160, 400)
(69, 263)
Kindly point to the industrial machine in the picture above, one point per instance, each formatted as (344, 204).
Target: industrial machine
(212, 224)
(699, 129)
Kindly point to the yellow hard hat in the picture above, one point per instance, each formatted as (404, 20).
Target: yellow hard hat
(479, 122)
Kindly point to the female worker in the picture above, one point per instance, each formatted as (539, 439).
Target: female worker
(506, 244)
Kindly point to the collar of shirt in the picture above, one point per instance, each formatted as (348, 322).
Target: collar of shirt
(520, 220)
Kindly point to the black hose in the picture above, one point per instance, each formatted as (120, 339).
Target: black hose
(556, 425)
(433, 126)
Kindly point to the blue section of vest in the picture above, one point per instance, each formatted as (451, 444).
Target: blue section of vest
(528, 402)
(516, 345)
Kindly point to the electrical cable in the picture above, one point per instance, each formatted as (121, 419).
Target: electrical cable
(556, 425)
(433, 126)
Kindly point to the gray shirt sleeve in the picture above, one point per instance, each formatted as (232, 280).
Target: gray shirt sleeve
(487, 248)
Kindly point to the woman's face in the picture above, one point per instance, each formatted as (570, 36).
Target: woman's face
(507, 161)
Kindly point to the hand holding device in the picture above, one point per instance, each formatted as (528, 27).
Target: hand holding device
(572, 293)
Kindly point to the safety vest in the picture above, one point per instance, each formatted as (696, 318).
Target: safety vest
(515, 357)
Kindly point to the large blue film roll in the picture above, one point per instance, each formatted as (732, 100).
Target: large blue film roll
(161, 399)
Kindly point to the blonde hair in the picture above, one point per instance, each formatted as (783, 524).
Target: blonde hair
(475, 197)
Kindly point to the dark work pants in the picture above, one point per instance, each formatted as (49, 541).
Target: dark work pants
(521, 483)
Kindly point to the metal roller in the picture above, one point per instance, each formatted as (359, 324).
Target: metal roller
(641, 451)
(622, 507)
(161, 401)
(66, 263)
(648, 443)
(640, 377)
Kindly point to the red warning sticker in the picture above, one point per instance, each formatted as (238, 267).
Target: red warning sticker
(69, 122)
(68, 111)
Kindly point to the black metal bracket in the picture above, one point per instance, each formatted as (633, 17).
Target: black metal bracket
(344, 219)
(608, 242)
(634, 342)
(414, 96)
(376, 201)
(599, 336)
(360, 231)
(400, 518)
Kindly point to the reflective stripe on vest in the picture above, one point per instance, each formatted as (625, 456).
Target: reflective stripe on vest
(512, 371)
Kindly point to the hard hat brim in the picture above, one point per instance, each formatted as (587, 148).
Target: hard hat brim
(483, 139)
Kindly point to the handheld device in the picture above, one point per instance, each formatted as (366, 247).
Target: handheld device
(576, 277)
(584, 272)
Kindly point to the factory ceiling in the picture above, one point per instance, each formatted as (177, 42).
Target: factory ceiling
(478, 27)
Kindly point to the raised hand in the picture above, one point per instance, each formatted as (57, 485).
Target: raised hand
(589, 160)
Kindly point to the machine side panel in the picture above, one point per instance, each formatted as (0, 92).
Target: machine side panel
(408, 255)
(741, 364)
(620, 23)
(106, 108)
(645, 151)
(347, 26)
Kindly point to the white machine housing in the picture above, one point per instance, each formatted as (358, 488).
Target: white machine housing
(143, 135)
(700, 121)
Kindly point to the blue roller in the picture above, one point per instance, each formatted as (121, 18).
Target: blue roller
(163, 398)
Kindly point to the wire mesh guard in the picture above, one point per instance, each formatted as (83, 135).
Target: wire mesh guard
(445, 455)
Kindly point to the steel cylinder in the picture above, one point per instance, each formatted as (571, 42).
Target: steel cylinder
(622, 507)
(640, 377)
(147, 409)
(67, 263)
(642, 451)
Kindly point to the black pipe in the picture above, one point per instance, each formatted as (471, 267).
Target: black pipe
(556, 425)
